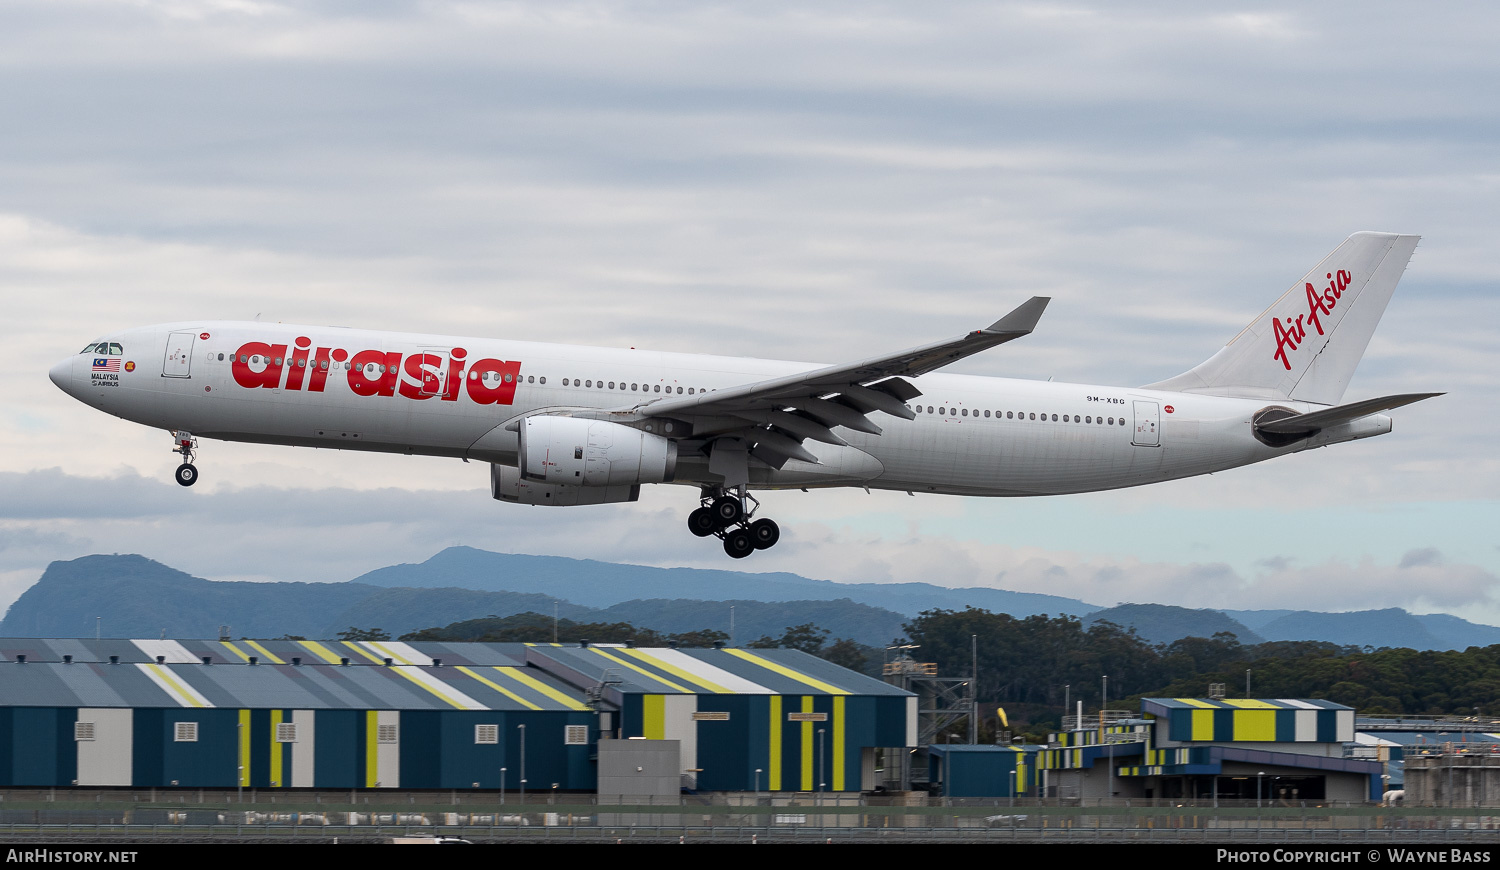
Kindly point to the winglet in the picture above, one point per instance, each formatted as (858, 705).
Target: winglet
(1022, 320)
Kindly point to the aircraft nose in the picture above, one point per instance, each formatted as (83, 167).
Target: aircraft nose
(62, 375)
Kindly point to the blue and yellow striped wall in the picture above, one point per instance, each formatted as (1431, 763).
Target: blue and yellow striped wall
(773, 733)
(1250, 720)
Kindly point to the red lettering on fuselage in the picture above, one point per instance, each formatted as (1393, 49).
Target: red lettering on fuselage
(378, 373)
(498, 388)
(319, 371)
(455, 374)
(268, 377)
(373, 373)
(426, 369)
(1319, 303)
(296, 365)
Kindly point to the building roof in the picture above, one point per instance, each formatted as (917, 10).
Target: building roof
(392, 675)
(1162, 705)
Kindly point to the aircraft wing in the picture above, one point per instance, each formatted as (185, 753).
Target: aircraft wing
(781, 412)
(826, 382)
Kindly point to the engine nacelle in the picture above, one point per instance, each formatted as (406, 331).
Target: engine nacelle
(506, 484)
(573, 451)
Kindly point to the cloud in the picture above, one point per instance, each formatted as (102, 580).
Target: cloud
(796, 181)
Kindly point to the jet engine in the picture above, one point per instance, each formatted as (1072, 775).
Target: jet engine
(506, 484)
(574, 451)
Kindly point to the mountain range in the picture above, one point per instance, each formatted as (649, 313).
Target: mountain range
(132, 596)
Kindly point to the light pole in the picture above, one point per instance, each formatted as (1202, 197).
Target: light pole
(1259, 778)
(239, 782)
(757, 786)
(523, 764)
(502, 786)
(822, 784)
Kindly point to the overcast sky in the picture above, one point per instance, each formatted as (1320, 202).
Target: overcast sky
(812, 181)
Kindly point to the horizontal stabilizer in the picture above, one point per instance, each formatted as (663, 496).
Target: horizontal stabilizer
(1301, 424)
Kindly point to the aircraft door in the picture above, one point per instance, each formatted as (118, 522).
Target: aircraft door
(1147, 424)
(179, 356)
(434, 371)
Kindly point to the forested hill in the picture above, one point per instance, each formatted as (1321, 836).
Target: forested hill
(1029, 666)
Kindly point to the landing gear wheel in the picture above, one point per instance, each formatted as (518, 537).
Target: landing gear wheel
(702, 522)
(727, 510)
(738, 544)
(187, 474)
(765, 533)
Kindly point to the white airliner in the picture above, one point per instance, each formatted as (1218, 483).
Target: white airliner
(564, 425)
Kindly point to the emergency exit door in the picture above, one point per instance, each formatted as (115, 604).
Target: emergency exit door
(179, 357)
(1147, 424)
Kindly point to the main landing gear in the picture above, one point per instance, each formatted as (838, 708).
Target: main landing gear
(724, 515)
(187, 445)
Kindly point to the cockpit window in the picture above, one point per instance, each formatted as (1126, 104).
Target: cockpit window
(89, 349)
(115, 349)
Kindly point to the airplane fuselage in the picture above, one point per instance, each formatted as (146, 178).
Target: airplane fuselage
(455, 397)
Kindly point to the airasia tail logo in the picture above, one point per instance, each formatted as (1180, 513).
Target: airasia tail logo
(1319, 303)
(258, 364)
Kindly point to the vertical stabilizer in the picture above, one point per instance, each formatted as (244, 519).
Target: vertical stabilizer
(1307, 345)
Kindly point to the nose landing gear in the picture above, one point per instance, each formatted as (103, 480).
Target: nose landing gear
(187, 445)
(725, 516)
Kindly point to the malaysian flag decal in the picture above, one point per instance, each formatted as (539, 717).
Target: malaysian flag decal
(106, 364)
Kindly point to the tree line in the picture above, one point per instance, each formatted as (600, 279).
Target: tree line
(1031, 664)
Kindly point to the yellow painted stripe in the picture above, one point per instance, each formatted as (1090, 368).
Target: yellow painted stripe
(405, 674)
(265, 652)
(1196, 702)
(244, 656)
(807, 746)
(320, 651)
(787, 672)
(520, 676)
(1259, 725)
(372, 748)
(642, 671)
(679, 672)
(773, 780)
(244, 742)
(1203, 724)
(654, 717)
(838, 743)
(181, 690)
(1251, 704)
(497, 687)
(435, 692)
(276, 745)
(364, 652)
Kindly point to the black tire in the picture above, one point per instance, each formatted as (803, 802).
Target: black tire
(738, 544)
(702, 522)
(727, 510)
(187, 474)
(765, 534)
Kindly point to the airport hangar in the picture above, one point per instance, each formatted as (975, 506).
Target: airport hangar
(283, 713)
